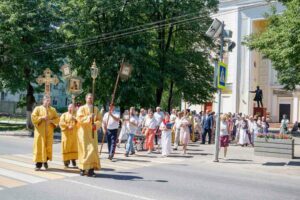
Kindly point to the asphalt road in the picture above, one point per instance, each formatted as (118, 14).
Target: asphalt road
(145, 177)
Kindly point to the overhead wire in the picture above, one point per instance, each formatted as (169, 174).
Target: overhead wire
(127, 31)
(114, 37)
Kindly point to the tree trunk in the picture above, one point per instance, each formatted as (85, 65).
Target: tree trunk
(159, 92)
(170, 96)
(30, 101)
(164, 38)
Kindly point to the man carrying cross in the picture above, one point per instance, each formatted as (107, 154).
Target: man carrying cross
(44, 119)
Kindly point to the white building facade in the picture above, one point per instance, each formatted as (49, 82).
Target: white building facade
(248, 69)
(9, 101)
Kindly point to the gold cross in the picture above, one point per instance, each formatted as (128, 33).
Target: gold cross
(47, 80)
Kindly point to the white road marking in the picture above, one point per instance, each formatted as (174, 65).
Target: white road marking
(28, 156)
(110, 190)
(18, 163)
(1, 188)
(20, 176)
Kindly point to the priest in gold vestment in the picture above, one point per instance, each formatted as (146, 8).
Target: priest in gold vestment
(89, 123)
(44, 119)
(69, 143)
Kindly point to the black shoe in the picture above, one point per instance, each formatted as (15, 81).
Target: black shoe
(38, 166)
(46, 165)
(74, 163)
(110, 157)
(91, 173)
(132, 153)
(67, 163)
(126, 154)
(81, 172)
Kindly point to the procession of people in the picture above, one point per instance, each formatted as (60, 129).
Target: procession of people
(161, 132)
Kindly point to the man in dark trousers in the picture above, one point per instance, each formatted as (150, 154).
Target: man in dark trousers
(110, 125)
(258, 96)
(207, 125)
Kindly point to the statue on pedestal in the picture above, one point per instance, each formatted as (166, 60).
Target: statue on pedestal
(258, 96)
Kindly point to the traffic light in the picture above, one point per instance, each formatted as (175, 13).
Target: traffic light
(230, 46)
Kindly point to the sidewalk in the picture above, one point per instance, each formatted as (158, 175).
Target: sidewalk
(17, 122)
(243, 159)
(23, 133)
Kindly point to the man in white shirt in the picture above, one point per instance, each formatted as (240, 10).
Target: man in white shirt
(142, 117)
(110, 125)
(159, 116)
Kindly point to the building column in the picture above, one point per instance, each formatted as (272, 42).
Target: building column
(295, 107)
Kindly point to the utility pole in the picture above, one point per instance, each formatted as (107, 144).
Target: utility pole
(216, 31)
(217, 133)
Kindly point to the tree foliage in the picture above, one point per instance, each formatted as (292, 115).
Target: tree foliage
(280, 42)
(169, 59)
(160, 57)
(25, 27)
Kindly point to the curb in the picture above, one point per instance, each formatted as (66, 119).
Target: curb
(25, 134)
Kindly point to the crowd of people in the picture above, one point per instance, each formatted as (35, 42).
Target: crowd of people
(162, 132)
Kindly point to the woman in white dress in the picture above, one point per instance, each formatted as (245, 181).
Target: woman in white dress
(166, 128)
(243, 133)
(123, 133)
(176, 128)
(256, 129)
(185, 131)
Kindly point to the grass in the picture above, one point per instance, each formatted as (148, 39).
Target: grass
(15, 119)
(12, 127)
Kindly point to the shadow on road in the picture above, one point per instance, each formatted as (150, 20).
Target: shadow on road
(278, 164)
(200, 154)
(146, 156)
(231, 159)
(180, 156)
(294, 163)
(119, 177)
(130, 160)
(126, 172)
(69, 170)
(195, 150)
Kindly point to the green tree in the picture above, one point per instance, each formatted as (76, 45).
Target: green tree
(171, 56)
(280, 42)
(25, 27)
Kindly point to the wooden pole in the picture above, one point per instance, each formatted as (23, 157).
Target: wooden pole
(93, 118)
(111, 103)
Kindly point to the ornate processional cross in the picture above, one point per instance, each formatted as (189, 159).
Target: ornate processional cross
(47, 80)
